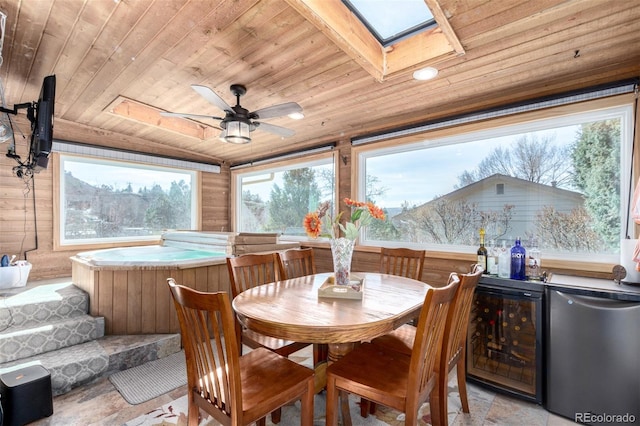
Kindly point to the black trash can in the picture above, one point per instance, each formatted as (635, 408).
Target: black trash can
(26, 395)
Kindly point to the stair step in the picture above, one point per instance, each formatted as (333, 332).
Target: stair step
(69, 367)
(17, 343)
(48, 325)
(30, 306)
(127, 351)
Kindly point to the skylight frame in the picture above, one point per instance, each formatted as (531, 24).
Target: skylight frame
(399, 36)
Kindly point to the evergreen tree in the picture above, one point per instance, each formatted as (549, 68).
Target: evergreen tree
(288, 205)
(596, 161)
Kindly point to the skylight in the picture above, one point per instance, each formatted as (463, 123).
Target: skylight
(391, 21)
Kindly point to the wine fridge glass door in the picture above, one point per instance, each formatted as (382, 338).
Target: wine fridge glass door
(504, 349)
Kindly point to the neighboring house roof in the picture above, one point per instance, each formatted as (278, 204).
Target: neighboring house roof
(472, 190)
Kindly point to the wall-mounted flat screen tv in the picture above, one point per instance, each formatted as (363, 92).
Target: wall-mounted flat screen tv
(42, 124)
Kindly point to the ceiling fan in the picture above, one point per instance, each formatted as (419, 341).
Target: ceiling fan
(238, 122)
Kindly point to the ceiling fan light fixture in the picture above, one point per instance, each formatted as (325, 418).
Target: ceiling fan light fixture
(237, 132)
(426, 73)
(296, 115)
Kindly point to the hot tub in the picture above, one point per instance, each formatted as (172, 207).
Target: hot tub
(128, 286)
(150, 256)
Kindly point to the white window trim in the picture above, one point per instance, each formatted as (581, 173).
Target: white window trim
(90, 243)
(601, 109)
(278, 166)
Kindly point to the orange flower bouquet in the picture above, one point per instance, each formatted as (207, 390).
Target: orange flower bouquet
(361, 215)
(341, 247)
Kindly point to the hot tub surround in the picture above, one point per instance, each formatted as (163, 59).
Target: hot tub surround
(136, 300)
(128, 286)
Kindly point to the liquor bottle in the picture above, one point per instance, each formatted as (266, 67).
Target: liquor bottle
(504, 262)
(534, 270)
(492, 258)
(518, 259)
(482, 252)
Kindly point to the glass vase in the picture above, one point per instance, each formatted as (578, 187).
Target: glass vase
(342, 251)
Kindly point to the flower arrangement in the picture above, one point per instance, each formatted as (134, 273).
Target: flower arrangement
(361, 215)
(341, 247)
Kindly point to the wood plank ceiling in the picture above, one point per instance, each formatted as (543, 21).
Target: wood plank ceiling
(147, 53)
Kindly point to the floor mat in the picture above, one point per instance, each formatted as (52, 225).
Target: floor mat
(147, 381)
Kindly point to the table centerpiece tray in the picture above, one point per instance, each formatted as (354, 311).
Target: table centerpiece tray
(354, 290)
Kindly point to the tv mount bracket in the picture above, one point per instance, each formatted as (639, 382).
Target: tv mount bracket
(30, 110)
(20, 169)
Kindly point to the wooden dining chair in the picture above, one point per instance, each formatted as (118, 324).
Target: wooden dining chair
(402, 261)
(223, 383)
(454, 344)
(248, 271)
(393, 378)
(296, 263)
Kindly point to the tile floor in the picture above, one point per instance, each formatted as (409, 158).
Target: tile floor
(99, 403)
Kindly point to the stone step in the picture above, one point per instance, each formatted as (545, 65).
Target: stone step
(30, 306)
(69, 367)
(127, 351)
(76, 365)
(24, 342)
(47, 324)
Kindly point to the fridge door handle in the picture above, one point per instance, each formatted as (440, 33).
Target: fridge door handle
(596, 302)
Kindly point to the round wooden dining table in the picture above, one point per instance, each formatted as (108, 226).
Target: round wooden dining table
(292, 310)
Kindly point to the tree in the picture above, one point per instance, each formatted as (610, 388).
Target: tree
(288, 205)
(253, 211)
(532, 159)
(596, 160)
(571, 231)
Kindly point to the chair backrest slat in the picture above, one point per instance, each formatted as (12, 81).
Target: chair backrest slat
(250, 270)
(427, 347)
(211, 349)
(296, 263)
(402, 262)
(458, 320)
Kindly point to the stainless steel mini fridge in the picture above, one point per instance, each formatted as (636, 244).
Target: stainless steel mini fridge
(593, 357)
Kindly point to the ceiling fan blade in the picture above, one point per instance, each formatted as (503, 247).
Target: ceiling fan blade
(277, 110)
(183, 115)
(272, 128)
(212, 97)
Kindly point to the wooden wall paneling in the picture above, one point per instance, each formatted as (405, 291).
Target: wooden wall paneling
(216, 201)
(105, 300)
(148, 311)
(188, 278)
(164, 304)
(134, 302)
(218, 278)
(200, 279)
(119, 301)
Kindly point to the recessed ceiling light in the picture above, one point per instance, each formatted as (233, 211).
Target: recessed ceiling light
(425, 73)
(296, 115)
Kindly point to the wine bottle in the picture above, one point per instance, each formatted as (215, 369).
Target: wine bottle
(518, 260)
(482, 253)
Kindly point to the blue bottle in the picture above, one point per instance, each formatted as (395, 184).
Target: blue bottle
(518, 261)
(4, 261)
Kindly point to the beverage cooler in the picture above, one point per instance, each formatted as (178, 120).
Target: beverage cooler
(504, 342)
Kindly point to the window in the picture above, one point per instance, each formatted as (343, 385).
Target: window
(105, 201)
(276, 198)
(390, 21)
(562, 182)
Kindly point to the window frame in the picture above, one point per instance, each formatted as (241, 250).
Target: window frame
(620, 105)
(280, 166)
(58, 175)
